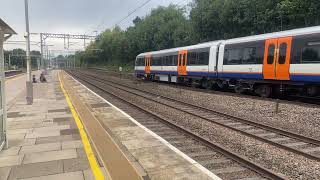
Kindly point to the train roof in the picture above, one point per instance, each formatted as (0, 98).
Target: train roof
(197, 46)
(294, 32)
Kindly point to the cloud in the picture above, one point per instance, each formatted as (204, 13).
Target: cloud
(72, 16)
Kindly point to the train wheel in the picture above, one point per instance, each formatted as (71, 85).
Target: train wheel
(239, 89)
(221, 85)
(210, 85)
(264, 91)
(312, 91)
(204, 84)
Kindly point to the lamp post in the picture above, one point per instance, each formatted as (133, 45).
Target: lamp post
(29, 85)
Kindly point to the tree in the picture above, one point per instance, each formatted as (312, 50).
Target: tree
(208, 20)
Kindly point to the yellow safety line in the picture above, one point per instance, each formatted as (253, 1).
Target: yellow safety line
(90, 155)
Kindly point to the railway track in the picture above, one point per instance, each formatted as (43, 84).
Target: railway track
(290, 141)
(288, 99)
(223, 162)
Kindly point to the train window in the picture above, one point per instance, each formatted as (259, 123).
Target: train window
(175, 60)
(154, 61)
(249, 55)
(234, 57)
(171, 62)
(168, 61)
(160, 62)
(163, 60)
(185, 59)
(203, 58)
(259, 54)
(282, 53)
(311, 54)
(192, 58)
(180, 62)
(225, 57)
(271, 54)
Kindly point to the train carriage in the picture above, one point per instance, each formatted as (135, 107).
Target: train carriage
(280, 62)
(181, 65)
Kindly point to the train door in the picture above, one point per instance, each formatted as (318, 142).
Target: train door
(276, 61)
(284, 56)
(182, 63)
(147, 64)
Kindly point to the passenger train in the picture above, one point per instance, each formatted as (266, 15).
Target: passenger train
(281, 62)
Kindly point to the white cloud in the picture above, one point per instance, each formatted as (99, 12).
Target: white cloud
(71, 16)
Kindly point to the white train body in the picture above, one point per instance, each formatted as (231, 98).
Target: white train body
(280, 60)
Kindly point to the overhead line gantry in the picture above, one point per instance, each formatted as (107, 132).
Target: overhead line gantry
(65, 37)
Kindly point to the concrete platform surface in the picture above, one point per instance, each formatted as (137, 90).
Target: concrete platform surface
(44, 142)
(148, 152)
(16, 85)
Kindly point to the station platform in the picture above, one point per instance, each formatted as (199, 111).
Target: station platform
(72, 133)
(44, 141)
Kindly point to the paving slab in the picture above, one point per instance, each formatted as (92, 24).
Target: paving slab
(10, 152)
(36, 169)
(40, 148)
(11, 160)
(81, 153)
(44, 140)
(49, 156)
(49, 133)
(68, 176)
(77, 164)
(72, 144)
(157, 158)
(142, 143)
(130, 133)
(4, 173)
(20, 131)
(20, 142)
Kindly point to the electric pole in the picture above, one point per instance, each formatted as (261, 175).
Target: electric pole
(29, 85)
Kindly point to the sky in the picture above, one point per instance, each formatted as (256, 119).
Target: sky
(71, 17)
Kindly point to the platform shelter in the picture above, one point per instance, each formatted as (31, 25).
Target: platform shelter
(5, 33)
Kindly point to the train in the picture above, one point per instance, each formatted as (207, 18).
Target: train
(286, 62)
